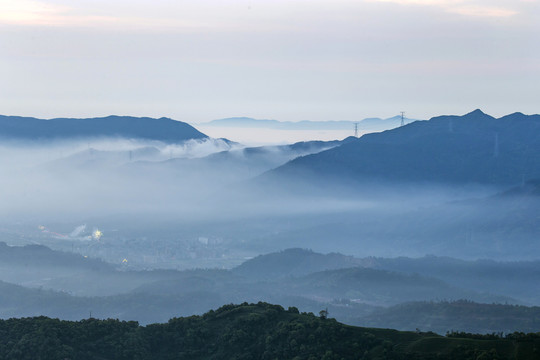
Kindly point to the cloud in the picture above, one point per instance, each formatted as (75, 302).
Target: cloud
(212, 15)
(47, 13)
(461, 7)
(28, 12)
(416, 2)
(483, 11)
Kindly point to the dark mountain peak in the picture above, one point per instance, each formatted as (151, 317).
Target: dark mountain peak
(515, 115)
(469, 117)
(477, 114)
(518, 116)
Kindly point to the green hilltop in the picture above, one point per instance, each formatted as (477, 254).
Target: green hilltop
(247, 331)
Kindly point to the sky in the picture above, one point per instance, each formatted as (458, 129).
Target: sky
(293, 60)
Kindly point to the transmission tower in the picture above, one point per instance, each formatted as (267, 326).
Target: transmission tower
(402, 118)
(356, 129)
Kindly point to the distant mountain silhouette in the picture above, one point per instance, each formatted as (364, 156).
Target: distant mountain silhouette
(306, 279)
(267, 157)
(293, 262)
(474, 148)
(41, 256)
(444, 316)
(233, 165)
(162, 129)
(375, 124)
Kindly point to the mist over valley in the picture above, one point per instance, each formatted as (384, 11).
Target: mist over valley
(433, 216)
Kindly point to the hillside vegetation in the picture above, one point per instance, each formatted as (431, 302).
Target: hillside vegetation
(247, 331)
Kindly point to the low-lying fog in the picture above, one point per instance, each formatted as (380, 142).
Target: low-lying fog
(115, 212)
(264, 136)
(208, 204)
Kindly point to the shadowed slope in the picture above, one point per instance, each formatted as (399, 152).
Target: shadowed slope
(474, 148)
(162, 129)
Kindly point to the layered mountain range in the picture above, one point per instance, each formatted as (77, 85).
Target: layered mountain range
(368, 124)
(473, 148)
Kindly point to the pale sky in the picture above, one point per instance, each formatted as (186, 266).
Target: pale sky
(291, 60)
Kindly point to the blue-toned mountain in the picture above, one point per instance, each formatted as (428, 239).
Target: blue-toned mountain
(473, 148)
(368, 124)
(143, 128)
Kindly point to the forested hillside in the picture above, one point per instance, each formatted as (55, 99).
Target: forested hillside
(247, 331)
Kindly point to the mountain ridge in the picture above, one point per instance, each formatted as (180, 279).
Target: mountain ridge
(364, 124)
(468, 149)
(248, 331)
(145, 128)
